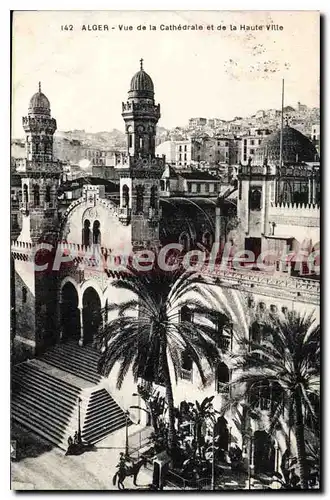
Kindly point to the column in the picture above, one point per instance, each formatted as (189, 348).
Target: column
(81, 340)
(59, 319)
(309, 190)
(313, 190)
(264, 205)
(217, 225)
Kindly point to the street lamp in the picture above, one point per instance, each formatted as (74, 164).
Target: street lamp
(213, 459)
(79, 422)
(251, 453)
(277, 452)
(126, 440)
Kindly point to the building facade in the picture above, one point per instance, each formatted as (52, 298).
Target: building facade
(270, 207)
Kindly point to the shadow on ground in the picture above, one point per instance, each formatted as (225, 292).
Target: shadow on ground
(26, 444)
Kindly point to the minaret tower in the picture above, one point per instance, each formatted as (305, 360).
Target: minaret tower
(39, 172)
(36, 291)
(140, 170)
(141, 115)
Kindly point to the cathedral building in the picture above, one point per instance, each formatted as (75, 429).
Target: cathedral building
(272, 206)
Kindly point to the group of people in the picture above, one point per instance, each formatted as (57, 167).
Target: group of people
(74, 444)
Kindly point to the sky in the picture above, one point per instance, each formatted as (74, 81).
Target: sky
(208, 73)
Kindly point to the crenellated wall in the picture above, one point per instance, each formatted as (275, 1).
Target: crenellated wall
(298, 221)
(304, 211)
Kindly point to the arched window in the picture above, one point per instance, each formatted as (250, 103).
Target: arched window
(286, 196)
(139, 199)
(130, 141)
(24, 294)
(25, 194)
(224, 329)
(184, 240)
(222, 377)
(255, 199)
(186, 314)
(255, 333)
(262, 307)
(207, 239)
(36, 195)
(86, 233)
(47, 194)
(96, 233)
(186, 362)
(125, 192)
(153, 193)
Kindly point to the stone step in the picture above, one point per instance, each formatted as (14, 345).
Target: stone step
(28, 368)
(99, 433)
(44, 402)
(81, 353)
(70, 367)
(52, 426)
(33, 385)
(101, 406)
(103, 415)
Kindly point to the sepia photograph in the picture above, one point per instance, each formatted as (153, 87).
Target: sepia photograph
(165, 251)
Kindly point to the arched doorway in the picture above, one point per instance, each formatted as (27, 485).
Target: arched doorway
(184, 240)
(70, 318)
(92, 317)
(86, 233)
(96, 232)
(222, 434)
(264, 453)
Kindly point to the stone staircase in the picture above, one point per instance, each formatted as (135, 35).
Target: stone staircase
(43, 403)
(71, 358)
(103, 416)
(45, 392)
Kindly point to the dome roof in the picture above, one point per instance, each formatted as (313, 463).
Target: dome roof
(39, 104)
(142, 82)
(296, 147)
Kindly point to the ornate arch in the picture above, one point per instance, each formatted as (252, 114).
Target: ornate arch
(69, 279)
(90, 283)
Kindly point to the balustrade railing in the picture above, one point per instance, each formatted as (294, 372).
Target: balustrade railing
(177, 481)
(224, 343)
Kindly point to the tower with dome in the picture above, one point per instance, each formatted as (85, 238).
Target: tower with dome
(139, 168)
(279, 195)
(40, 173)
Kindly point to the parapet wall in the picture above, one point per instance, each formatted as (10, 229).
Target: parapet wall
(294, 210)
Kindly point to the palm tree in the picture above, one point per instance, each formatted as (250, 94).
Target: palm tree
(148, 342)
(288, 360)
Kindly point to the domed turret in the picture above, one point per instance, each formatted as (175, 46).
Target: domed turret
(141, 84)
(39, 104)
(297, 148)
(141, 115)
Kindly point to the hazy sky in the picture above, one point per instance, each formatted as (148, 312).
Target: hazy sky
(217, 73)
